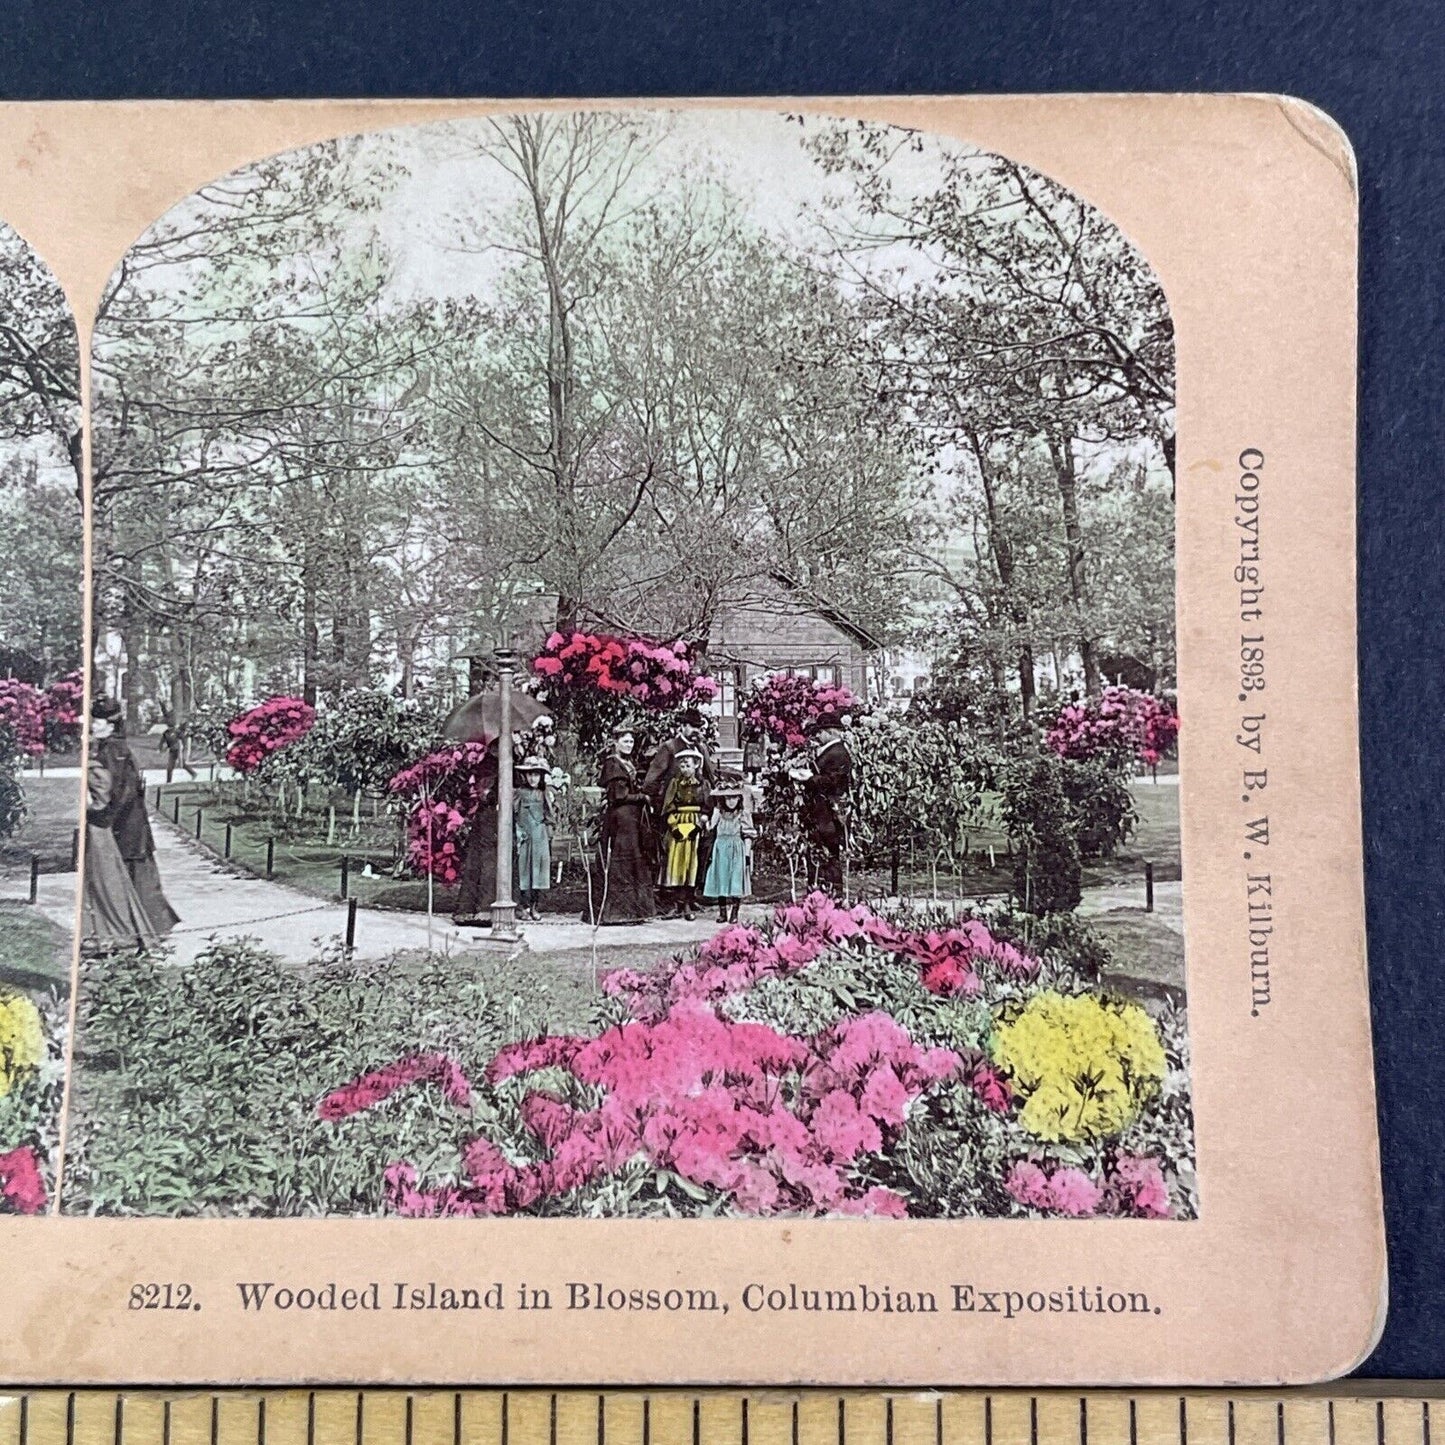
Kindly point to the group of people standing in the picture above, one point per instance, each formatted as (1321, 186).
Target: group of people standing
(680, 834)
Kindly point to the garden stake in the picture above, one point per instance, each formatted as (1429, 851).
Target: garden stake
(227, 852)
(351, 926)
(198, 824)
(270, 856)
(330, 824)
(75, 850)
(345, 874)
(176, 809)
(158, 797)
(34, 878)
(1148, 888)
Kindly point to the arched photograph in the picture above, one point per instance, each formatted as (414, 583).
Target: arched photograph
(41, 712)
(634, 669)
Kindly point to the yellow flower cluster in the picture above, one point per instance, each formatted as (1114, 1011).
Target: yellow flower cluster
(22, 1040)
(1084, 1065)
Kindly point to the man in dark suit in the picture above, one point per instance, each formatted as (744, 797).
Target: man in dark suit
(825, 794)
(663, 767)
(125, 814)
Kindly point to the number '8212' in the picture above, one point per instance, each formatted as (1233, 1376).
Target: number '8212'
(162, 1297)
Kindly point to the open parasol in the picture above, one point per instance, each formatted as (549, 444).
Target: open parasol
(479, 718)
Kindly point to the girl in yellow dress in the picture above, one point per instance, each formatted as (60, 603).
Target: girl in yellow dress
(683, 805)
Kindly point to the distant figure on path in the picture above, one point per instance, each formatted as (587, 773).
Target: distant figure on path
(124, 812)
(825, 791)
(174, 742)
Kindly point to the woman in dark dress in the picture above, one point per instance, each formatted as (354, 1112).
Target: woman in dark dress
(477, 878)
(620, 880)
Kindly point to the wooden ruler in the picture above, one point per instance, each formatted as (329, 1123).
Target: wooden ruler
(1340, 1415)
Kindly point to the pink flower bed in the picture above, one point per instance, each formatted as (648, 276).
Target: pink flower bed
(1133, 1187)
(770, 1121)
(1122, 723)
(371, 1088)
(64, 702)
(262, 731)
(781, 707)
(446, 789)
(658, 675)
(951, 962)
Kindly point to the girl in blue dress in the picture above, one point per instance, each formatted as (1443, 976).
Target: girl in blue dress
(727, 872)
(532, 813)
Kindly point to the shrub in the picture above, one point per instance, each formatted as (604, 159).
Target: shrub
(261, 732)
(444, 792)
(32, 1051)
(63, 704)
(782, 707)
(12, 793)
(22, 711)
(1048, 875)
(1101, 806)
(1122, 725)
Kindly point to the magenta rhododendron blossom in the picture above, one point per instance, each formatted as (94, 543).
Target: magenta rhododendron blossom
(1137, 1185)
(21, 1184)
(773, 1122)
(656, 674)
(1121, 725)
(780, 706)
(265, 729)
(446, 789)
(379, 1084)
(1133, 1187)
(22, 710)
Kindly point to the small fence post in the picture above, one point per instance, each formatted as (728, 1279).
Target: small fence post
(345, 874)
(198, 823)
(34, 878)
(270, 856)
(159, 791)
(75, 850)
(176, 809)
(351, 926)
(227, 852)
(1148, 888)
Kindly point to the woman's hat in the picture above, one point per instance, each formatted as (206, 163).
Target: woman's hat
(623, 730)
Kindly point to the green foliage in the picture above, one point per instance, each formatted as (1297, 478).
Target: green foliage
(12, 793)
(361, 741)
(1047, 869)
(1101, 805)
(198, 1085)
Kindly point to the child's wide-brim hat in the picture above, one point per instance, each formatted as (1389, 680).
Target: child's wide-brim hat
(534, 765)
(728, 790)
(682, 753)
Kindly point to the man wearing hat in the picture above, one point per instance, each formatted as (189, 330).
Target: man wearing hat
(663, 768)
(825, 793)
(124, 813)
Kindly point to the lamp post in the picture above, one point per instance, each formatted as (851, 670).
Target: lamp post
(504, 910)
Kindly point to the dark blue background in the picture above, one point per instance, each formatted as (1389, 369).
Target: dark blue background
(1375, 67)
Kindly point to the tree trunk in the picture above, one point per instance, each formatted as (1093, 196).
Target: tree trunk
(310, 632)
(1061, 449)
(1001, 545)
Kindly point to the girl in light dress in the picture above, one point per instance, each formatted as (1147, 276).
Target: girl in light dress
(728, 870)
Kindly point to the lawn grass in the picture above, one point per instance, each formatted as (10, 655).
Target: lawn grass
(52, 815)
(34, 952)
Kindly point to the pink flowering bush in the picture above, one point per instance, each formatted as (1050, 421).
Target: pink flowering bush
(22, 1188)
(22, 710)
(658, 675)
(1122, 726)
(1129, 1186)
(772, 1123)
(445, 789)
(261, 732)
(64, 703)
(781, 707)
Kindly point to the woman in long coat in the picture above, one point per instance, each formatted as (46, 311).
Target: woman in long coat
(112, 916)
(477, 879)
(620, 883)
